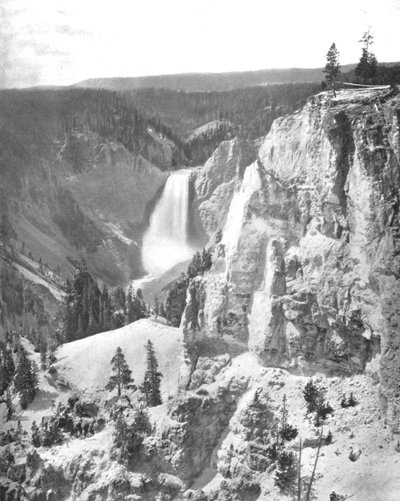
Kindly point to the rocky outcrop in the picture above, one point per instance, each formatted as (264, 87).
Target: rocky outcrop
(306, 275)
(184, 444)
(214, 183)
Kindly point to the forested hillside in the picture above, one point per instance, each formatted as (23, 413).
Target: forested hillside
(209, 82)
(65, 155)
(38, 117)
(204, 119)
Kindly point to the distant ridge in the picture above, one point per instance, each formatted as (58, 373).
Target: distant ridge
(193, 82)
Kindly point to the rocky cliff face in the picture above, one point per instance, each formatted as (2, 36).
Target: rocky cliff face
(306, 274)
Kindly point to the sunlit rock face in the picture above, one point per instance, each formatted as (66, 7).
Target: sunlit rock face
(306, 274)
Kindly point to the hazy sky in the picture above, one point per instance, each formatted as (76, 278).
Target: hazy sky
(64, 41)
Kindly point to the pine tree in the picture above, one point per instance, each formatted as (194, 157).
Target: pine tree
(362, 69)
(286, 472)
(141, 421)
(312, 394)
(7, 368)
(129, 305)
(328, 438)
(26, 378)
(127, 439)
(157, 308)
(175, 301)
(82, 305)
(195, 267)
(206, 260)
(5, 231)
(35, 435)
(141, 301)
(19, 429)
(367, 67)
(332, 67)
(121, 377)
(105, 310)
(10, 406)
(152, 378)
(135, 305)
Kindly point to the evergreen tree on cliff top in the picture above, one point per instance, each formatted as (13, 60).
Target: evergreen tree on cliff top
(152, 378)
(332, 67)
(367, 67)
(121, 374)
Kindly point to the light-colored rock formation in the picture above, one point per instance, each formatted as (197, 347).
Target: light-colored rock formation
(306, 275)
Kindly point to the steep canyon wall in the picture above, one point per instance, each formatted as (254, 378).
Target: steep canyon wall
(306, 275)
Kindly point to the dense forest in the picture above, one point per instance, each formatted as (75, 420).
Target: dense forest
(26, 308)
(89, 309)
(251, 109)
(247, 112)
(210, 82)
(39, 117)
(385, 75)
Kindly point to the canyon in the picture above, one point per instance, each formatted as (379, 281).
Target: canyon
(303, 226)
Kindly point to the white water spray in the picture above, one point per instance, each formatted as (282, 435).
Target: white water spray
(165, 243)
(236, 215)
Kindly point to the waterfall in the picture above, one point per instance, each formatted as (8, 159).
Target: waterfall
(165, 242)
(236, 215)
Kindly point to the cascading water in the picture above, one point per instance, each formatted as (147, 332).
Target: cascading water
(165, 243)
(235, 218)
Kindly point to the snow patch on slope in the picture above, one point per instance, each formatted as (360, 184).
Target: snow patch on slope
(85, 364)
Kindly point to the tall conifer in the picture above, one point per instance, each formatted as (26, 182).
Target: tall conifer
(332, 67)
(121, 374)
(152, 378)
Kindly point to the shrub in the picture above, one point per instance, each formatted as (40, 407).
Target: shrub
(328, 438)
(351, 402)
(128, 438)
(353, 455)
(348, 402)
(288, 433)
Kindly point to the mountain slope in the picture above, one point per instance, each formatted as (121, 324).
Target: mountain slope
(85, 364)
(77, 170)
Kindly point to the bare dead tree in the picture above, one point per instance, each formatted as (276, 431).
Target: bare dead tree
(315, 466)
(299, 479)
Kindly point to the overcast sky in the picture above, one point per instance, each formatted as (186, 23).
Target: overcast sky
(64, 41)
